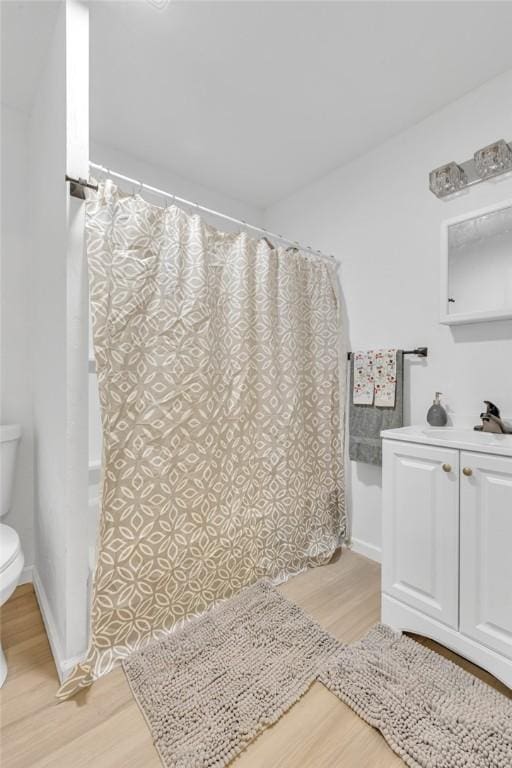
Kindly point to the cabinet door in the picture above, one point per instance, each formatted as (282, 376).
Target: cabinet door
(486, 550)
(420, 553)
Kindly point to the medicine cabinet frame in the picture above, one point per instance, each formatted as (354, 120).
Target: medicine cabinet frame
(477, 316)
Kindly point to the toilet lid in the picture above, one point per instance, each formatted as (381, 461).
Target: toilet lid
(9, 546)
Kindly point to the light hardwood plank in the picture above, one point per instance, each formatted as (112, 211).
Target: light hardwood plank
(102, 727)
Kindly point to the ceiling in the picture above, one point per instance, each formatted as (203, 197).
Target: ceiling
(258, 99)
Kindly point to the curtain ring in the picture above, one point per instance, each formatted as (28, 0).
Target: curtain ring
(107, 175)
(169, 199)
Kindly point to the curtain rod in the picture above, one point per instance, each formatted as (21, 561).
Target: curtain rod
(77, 190)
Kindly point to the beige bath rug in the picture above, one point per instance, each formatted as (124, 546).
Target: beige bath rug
(213, 686)
(432, 712)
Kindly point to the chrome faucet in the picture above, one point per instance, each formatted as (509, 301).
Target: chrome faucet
(491, 420)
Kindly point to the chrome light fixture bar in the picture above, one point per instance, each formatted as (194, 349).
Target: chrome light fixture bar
(487, 163)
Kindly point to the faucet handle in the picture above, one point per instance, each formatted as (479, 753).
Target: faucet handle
(492, 410)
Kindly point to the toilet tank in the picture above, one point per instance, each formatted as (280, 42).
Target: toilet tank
(9, 437)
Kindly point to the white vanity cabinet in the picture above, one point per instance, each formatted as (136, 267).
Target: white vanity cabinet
(486, 550)
(420, 537)
(447, 540)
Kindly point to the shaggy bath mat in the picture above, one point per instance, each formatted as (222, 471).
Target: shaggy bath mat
(432, 713)
(213, 686)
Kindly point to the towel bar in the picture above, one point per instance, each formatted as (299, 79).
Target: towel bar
(420, 351)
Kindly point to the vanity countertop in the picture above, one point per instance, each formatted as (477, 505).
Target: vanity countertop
(462, 438)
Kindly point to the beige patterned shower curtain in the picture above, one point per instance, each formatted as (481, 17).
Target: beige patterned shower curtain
(218, 361)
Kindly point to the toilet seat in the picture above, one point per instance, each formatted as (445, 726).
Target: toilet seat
(10, 546)
(11, 563)
(11, 566)
(11, 553)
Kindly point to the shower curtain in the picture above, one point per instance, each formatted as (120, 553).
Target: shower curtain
(218, 360)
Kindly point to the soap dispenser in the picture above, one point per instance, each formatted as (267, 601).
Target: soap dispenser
(436, 414)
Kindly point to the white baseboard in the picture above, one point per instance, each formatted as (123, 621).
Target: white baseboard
(364, 548)
(63, 665)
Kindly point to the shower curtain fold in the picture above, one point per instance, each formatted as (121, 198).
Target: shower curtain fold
(220, 374)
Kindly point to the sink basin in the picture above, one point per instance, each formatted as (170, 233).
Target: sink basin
(462, 438)
(464, 435)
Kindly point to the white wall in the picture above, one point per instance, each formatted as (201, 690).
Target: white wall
(77, 315)
(16, 394)
(58, 329)
(380, 219)
(47, 160)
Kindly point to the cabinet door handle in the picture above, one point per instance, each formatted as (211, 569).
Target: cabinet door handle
(467, 471)
(447, 467)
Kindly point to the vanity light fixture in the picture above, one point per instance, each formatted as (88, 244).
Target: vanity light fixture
(487, 163)
(447, 179)
(493, 160)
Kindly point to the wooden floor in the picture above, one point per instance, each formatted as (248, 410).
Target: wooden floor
(102, 727)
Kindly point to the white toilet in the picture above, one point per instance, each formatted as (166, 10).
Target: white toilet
(11, 556)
